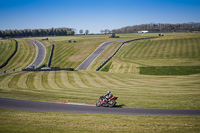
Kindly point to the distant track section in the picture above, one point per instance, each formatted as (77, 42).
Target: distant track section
(87, 62)
(15, 104)
(41, 53)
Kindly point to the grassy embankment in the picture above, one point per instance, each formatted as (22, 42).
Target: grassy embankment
(7, 47)
(138, 91)
(24, 56)
(71, 55)
(179, 52)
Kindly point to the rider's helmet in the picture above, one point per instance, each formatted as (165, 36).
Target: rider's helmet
(108, 92)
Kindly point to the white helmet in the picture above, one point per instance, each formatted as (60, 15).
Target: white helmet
(108, 92)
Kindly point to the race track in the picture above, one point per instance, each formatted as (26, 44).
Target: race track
(87, 62)
(14, 104)
(41, 53)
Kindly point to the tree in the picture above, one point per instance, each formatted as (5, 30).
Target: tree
(37, 32)
(86, 32)
(106, 31)
(159, 27)
(102, 31)
(81, 31)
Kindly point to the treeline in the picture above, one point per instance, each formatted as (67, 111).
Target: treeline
(37, 32)
(154, 27)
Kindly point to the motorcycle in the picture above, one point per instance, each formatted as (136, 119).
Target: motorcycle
(106, 103)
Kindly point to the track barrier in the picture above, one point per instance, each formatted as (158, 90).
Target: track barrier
(48, 69)
(50, 56)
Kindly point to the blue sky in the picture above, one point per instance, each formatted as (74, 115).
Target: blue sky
(94, 15)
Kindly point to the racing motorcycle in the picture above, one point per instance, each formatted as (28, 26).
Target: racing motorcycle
(106, 103)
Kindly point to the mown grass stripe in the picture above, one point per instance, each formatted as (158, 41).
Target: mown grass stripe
(83, 76)
(115, 67)
(112, 80)
(7, 48)
(145, 45)
(5, 81)
(14, 82)
(91, 80)
(101, 79)
(95, 79)
(32, 51)
(65, 80)
(156, 47)
(121, 80)
(196, 47)
(51, 80)
(137, 52)
(17, 58)
(60, 54)
(24, 56)
(38, 81)
(190, 48)
(64, 50)
(22, 80)
(72, 79)
(45, 81)
(58, 80)
(30, 79)
(148, 49)
(78, 80)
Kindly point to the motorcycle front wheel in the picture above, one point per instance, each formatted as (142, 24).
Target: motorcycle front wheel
(98, 104)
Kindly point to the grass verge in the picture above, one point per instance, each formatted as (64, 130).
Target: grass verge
(45, 122)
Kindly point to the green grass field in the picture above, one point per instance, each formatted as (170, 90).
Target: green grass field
(24, 56)
(123, 79)
(7, 47)
(44, 122)
(170, 50)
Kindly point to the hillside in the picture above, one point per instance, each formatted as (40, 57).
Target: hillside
(24, 56)
(122, 79)
(71, 54)
(7, 47)
(170, 50)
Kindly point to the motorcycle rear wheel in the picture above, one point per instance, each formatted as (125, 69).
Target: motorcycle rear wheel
(112, 103)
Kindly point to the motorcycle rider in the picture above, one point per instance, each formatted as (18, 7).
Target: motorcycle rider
(109, 95)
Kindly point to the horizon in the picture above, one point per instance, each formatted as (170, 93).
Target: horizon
(95, 15)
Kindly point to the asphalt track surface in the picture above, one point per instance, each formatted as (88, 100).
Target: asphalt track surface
(26, 105)
(86, 63)
(41, 53)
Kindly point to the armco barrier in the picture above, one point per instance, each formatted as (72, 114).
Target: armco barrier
(49, 69)
(6, 62)
(119, 49)
(50, 56)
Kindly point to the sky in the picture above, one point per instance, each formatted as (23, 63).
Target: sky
(94, 15)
